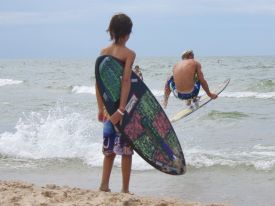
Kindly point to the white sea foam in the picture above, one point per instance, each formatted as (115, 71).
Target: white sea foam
(60, 134)
(261, 147)
(4, 82)
(91, 90)
(83, 90)
(257, 95)
(259, 157)
(248, 94)
(67, 134)
(159, 93)
(64, 133)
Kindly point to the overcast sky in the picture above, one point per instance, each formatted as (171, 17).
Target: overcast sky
(77, 28)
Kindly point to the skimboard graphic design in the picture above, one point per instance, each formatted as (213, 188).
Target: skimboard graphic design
(203, 100)
(145, 123)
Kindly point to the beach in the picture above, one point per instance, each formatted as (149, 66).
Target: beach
(23, 193)
(49, 135)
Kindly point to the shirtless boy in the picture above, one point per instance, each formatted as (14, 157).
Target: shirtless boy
(186, 80)
(120, 28)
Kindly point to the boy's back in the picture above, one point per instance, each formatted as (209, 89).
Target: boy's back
(121, 52)
(184, 73)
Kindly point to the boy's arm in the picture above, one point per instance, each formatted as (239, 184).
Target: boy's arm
(167, 92)
(126, 80)
(100, 105)
(125, 88)
(204, 83)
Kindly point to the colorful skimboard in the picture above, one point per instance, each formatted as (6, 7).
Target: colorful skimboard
(203, 100)
(145, 123)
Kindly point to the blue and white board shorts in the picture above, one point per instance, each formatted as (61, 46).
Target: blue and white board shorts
(113, 141)
(184, 96)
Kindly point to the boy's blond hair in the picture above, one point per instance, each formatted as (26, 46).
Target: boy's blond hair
(186, 53)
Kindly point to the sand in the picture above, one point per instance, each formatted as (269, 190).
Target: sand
(17, 193)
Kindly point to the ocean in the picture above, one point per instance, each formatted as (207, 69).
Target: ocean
(49, 131)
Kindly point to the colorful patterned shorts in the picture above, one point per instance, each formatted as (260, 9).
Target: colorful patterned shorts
(184, 96)
(113, 141)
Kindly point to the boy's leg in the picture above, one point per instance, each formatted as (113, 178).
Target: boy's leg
(193, 102)
(109, 136)
(106, 172)
(196, 100)
(188, 102)
(123, 148)
(126, 166)
(167, 92)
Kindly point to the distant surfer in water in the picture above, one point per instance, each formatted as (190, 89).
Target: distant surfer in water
(138, 72)
(120, 28)
(186, 80)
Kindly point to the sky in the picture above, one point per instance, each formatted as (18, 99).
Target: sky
(77, 28)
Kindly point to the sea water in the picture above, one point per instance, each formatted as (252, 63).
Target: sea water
(49, 129)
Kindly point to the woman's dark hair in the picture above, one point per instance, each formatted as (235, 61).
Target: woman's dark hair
(120, 26)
